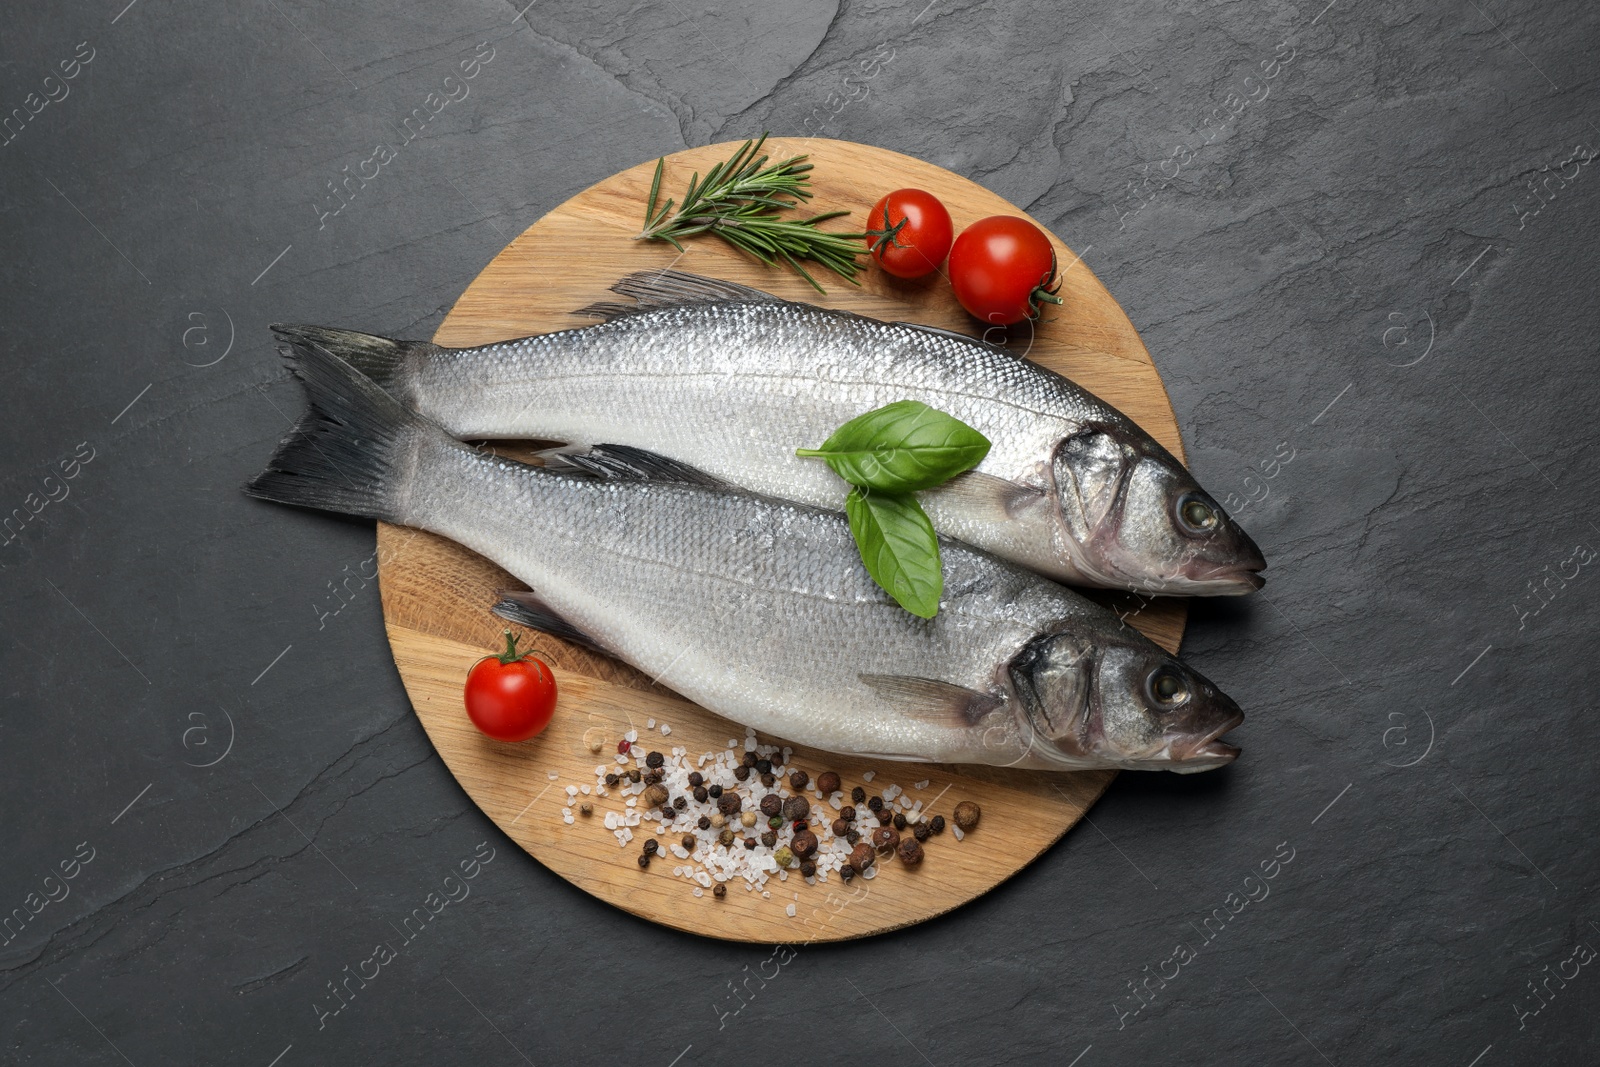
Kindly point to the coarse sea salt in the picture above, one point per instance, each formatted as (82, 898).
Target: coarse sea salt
(631, 736)
(867, 776)
(665, 729)
(957, 831)
(920, 785)
(789, 911)
(651, 725)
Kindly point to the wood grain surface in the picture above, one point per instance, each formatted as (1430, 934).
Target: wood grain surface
(436, 594)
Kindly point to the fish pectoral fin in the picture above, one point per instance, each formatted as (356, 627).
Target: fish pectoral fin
(928, 699)
(626, 463)
(999, 499)
(651, 289)
(525, 608)
(898, 757)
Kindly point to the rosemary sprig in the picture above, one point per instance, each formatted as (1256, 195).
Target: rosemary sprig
(739, 201)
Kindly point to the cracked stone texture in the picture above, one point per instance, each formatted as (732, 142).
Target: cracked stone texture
(1357, 241)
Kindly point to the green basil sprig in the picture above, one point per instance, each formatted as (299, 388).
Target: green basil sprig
(898, 545)
(901, 447)
(887, 455)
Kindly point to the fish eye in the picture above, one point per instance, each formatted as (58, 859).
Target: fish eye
(1197, 515)
(1166, 687)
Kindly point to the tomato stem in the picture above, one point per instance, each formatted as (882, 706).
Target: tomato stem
(890, 234)
(511, 655)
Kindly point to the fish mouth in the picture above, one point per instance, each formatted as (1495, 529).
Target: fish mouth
(1209, 752)
(1231, 579)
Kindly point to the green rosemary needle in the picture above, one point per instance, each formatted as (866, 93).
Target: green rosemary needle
(739, 201)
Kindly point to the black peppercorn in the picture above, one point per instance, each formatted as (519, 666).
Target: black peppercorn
(910, 852)
(701, 793)
(770, 838)
(796, 808)
(668, 813)
(854, 837)
(884, 815)
(749, 842)
(680, 802)
(696, 778)
(719, 891)
(858, 795)
(841, 827)
(729, 803)
(828, 783)
(644, 859)
(714, 791)
(611, 779)
(750, 759)
(634, 774)
(689, 842)
(771, 804)
(725, 839)
(798, 780)
(742, 773)
(847, 872)
(921, 831)
(899, 820)
(936, 824)
(653, 776)
(704, 823)
(875, 804)
(651, 846)
(764, 765)
(847, 813)
(769, 779)
(808, 869)
(654, 759)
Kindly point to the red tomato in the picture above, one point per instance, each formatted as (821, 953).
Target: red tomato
(511, 696)
(1001, 268)
(909, 233)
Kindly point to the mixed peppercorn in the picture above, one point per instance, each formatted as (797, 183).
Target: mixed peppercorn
(871, 826)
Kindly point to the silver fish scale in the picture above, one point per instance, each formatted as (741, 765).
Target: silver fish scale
(756, 608)
(735, 388)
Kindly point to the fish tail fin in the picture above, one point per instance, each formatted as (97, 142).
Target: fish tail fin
(390, 363)
(353, 451)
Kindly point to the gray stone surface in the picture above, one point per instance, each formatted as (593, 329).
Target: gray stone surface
(1374, 267)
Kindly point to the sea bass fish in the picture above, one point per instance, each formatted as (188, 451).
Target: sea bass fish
(759, 609)
(733, 381)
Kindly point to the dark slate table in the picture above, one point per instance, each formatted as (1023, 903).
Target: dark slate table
(1358, 239)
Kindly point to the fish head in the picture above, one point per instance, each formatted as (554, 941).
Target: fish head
(1120, 703)
(1134, 517)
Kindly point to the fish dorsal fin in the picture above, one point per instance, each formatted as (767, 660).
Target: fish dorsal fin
(525, 608)
(998, 499)
(651, 289)
(930, 700)
(626, 463)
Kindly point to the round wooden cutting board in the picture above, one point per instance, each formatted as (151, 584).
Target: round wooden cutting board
(437, 595)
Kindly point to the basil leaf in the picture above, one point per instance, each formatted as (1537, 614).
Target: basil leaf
(902, 447)
(898, 546)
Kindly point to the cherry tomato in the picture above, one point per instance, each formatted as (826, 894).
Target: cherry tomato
(510, 696)
(909, 233)
(1002, 268)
